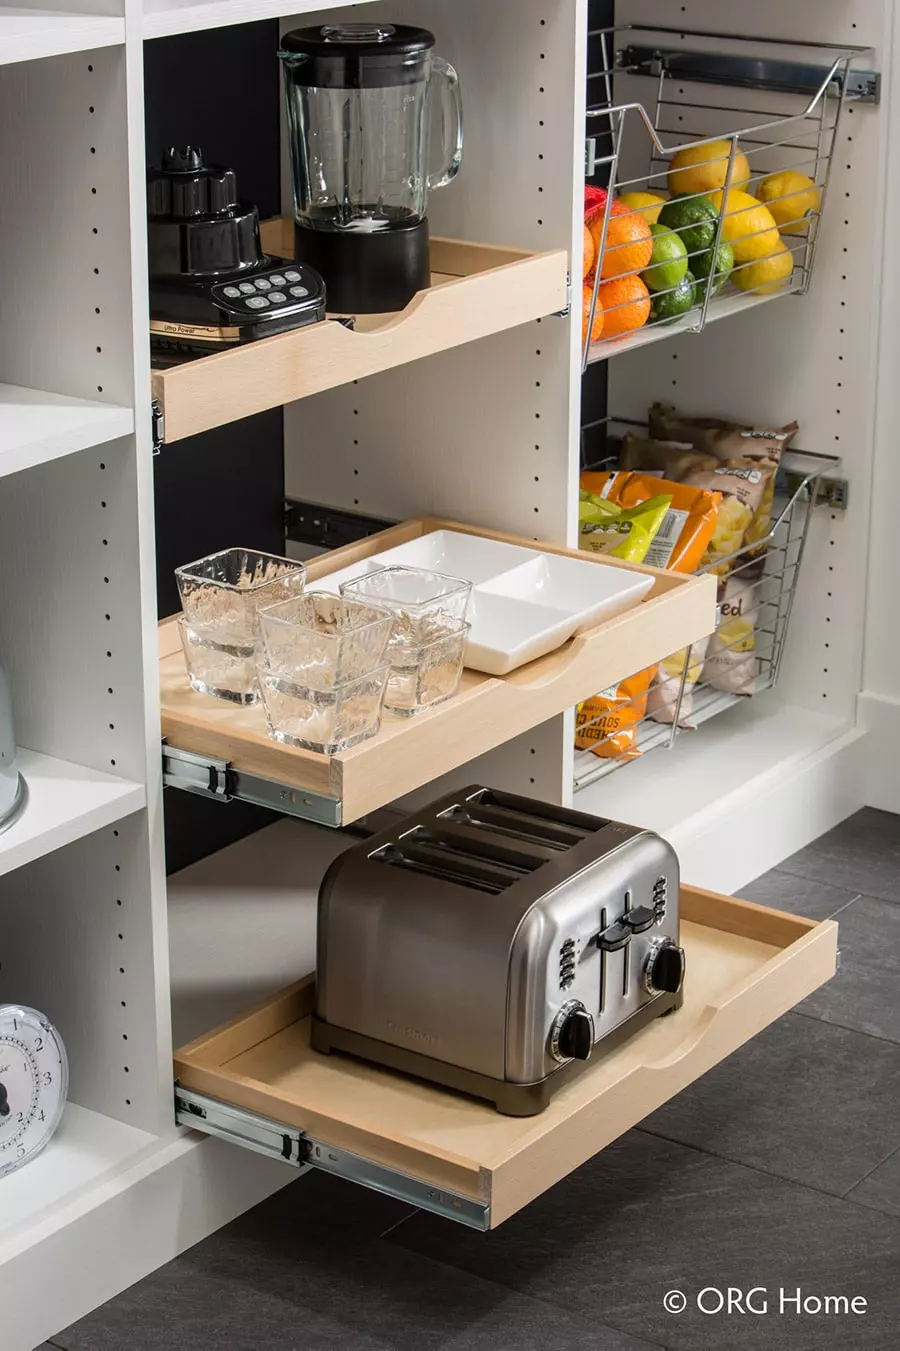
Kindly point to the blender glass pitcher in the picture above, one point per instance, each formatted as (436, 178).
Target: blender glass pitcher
(357, 105)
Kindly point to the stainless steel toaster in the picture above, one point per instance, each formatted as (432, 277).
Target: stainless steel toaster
(492, 944)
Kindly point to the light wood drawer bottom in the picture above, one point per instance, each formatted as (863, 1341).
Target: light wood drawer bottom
(257, 1081)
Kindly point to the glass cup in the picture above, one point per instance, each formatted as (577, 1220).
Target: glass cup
(423, 603)
(222, 593)
(324, 720)
(319, 641)
(226, 670)
(423, 675)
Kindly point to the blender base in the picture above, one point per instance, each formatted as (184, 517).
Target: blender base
(373, 273)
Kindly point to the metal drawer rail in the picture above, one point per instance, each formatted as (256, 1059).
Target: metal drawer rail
(217, 779)
(277, 1141)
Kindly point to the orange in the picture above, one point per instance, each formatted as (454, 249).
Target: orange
(588, 252)
(597, 330)
(629, 243)
(626, 306)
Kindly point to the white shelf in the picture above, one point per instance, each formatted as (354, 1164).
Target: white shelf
(87, 1149)
(36, 426)
(65, 802)
(740, 794)
(162, 18)
(28, 34)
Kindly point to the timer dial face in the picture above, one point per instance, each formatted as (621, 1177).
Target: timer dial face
(34, 1079)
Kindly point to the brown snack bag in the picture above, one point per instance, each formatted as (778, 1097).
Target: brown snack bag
(672, 459)
(729, 442)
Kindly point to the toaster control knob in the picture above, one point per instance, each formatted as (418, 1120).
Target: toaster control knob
(664, 969)
(572, 1033)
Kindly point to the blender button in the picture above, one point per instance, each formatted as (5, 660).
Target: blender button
(231, 292)
(298, 291)
(276, 279)
(262, 284)
(293, 276)
(277, 297)
(248, 288)
(257, 303)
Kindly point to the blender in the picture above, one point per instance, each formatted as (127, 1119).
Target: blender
(357, 100)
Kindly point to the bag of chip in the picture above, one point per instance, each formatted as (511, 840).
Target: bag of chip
(684, 535)
(606, 723)
(622, 532)
(742, 484)
(730, 442)
(731, 656)
(662, 701)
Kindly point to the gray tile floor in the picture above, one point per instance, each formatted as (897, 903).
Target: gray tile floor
(780, 1169)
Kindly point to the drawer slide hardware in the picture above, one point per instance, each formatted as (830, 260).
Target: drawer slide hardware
(219, 780)
(780, 76)
(276, 1141)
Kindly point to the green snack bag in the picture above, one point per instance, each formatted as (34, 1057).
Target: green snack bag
(627, 533)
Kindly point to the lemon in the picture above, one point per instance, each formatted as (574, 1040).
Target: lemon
(792, 198)
(648, 203)
(749, 227)
(703, 168)
(765, 276)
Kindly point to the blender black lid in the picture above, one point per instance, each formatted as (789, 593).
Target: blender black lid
(184, 186)
(356, 55)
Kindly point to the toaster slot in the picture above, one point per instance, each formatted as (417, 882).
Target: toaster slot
(579, 824)
(475, 844)
(434, 862)
(481, 813)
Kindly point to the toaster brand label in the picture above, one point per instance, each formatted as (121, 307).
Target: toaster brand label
(413, 1034)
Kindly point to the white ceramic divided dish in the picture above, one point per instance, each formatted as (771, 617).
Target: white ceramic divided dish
(333, 581)
(524, 603)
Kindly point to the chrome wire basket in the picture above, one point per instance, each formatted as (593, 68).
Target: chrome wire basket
(752, 623)
(706, 116)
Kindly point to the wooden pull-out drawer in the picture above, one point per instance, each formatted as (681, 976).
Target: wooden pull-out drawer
(410, 752)
(257, 1082)
(476, 290)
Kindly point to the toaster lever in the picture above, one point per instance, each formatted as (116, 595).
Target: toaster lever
(620, 934)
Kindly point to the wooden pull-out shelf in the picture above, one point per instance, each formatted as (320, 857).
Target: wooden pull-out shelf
(476, 290)
(408, 753)
(256, 1081)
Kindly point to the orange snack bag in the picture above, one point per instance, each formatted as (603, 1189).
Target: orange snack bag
(605, 724)
(682, 540)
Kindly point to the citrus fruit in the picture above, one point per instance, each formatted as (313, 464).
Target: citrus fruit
(648, 203)
(702, 265)
(669, 305)
(629, 243)
(588, 252)
(668, 261)
(704, 167)
(626, 306)
(748, 226)
(694, 218)
(792, 198)
(597, 330)
(765, 275)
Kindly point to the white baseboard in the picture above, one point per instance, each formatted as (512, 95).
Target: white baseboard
(99, 1244)
(880, 716)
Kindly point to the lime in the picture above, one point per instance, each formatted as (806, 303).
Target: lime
(669, 305)
(702, 265)
(695, 219)
(668, 261)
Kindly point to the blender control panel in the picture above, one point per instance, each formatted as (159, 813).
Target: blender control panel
(281, 289)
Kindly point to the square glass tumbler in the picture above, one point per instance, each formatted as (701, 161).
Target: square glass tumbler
(424, 603)
(320, 641)
(223, 592)
(226, 670)
(324, 720)
(422, 676)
